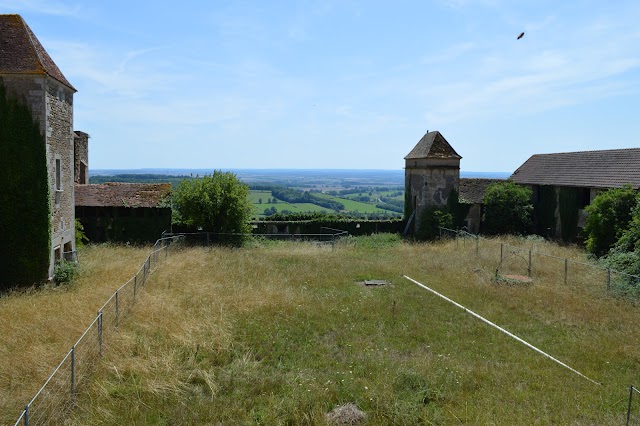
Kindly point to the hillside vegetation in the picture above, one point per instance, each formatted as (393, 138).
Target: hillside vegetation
(281, 333)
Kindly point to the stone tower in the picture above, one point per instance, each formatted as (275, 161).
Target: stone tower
(432, 171)
(28, 73)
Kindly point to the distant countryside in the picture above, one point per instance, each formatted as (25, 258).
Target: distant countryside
(372, 194)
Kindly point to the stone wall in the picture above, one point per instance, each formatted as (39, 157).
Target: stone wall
(51, 104)
(59, 135)
(429, 183)
(81, 157)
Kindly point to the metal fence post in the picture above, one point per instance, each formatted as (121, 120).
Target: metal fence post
(117, 309)
(26, 415)
(500, 252)
(135, 286)
(477, 244)
(608, 280)
(629, 406)
(100, 332)
(566, 270)
(529, 266)
(73, 374)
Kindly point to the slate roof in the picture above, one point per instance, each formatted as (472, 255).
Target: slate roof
(472, 189)
(22, 53)
(591, 169)
(117, 194)
(432, 145)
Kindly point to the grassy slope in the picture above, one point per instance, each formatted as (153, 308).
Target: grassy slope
(281, 334)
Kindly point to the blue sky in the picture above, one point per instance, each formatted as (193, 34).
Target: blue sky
(344, 83)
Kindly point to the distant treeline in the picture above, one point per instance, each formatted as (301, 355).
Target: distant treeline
(139, 178)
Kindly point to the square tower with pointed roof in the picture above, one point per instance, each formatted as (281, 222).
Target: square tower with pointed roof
(432, 171)
(29, 74)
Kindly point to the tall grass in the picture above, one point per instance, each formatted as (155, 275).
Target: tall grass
(39, 325)
(281, 333)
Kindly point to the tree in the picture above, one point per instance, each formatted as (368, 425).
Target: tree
(215, 203)
(608, 217)
(507, 208)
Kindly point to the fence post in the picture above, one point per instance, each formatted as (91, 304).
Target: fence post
(100, 332)
(629, 406)
(73, 374)
(117, 309)
(500, 252)
(566, 270)
(529, 266)
(477, 244)
(26, 415)
(608, 280)
(135, 285)
(440, 230)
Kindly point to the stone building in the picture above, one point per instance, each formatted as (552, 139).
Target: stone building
(29, 74)
(124, 212)
(81, 157)
(563, 184)
(432, 171)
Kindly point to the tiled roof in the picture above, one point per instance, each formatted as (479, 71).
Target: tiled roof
(22, 53)
(472, 189)
(432, 145)
(117, 194)
(592, 169)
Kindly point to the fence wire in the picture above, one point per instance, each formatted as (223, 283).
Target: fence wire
(514, 260)
(53, 402)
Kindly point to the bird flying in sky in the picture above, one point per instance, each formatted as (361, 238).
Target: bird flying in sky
(520, 36)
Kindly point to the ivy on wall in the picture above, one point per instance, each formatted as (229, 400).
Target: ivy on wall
(25, 208)
(545, 211)
(457, 209)
(568, 203)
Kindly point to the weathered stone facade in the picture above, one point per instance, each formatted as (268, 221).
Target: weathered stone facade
(29, 74)
(81, 157)
(52, 105)
(432, 172)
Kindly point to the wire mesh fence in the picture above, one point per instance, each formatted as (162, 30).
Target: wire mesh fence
(514, 260)
(328, 235)
(52, 403)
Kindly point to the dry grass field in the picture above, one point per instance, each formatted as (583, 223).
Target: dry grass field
(281, 333)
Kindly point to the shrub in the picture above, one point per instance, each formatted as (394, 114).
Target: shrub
(507, 208)
(215, 203)
(608, 217)
(64, 271)
(430, 222)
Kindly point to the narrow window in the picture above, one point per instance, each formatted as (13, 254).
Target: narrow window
(58, 176)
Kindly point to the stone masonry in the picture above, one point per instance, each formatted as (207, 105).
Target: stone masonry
(30, 74)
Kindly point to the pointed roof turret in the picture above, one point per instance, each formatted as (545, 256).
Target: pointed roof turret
(433, 145)
(22, 53)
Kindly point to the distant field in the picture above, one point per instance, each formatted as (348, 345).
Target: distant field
(354, 206)
(350, 205)
(258, 208)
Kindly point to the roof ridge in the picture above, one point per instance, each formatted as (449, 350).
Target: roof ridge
(588, 151)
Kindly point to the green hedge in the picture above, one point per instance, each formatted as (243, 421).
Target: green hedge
(25, 209)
